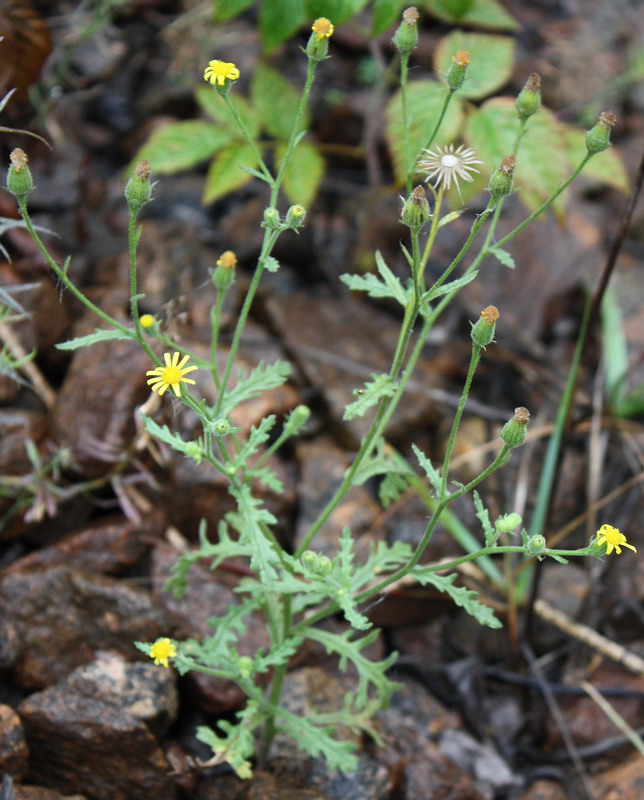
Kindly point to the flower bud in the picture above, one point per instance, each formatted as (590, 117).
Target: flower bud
(19, 180)
(415, 211)
(598, 137)
(325, 566)
(456, 73)
(318, 44)
(295, 216)
(514, 432)
(310, 560)
(483, 330)
(501, 181)
(529, 98)
(138, 190)
(147, 321)
(297, 419)
(271, 219)
(508, 522)
(193, 450)
(406, 37)
(535, 545)
(221, 427)
(224, 275)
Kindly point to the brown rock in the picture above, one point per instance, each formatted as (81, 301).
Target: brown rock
(63, 616)
(622, 782)
(40, 793)
(13, 747)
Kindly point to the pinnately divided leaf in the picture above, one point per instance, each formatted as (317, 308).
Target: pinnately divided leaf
(389, 286)
(381, 386)
(318, 740)
(92, 338)
(463, 597)
(260, 379)
(249, 522)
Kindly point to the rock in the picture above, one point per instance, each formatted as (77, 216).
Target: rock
(41, 793)
(544, 790)
(63, 616)
(85, 743)
(9, 644)
(623, 781)
(13, 747)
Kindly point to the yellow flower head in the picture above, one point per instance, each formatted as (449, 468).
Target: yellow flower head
(162, 650)
(147, 321)
(613, 538)
(218, 72)
(461, 58)
(170, 375)
(227, 260)
(323, 28)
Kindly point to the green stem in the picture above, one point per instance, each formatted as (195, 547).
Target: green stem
(249, 140)
(404, 70)
(448, 97)
(278, 679)
(434, 227)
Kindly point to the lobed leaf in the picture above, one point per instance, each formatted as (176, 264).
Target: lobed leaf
(463, 597)
(92, 338)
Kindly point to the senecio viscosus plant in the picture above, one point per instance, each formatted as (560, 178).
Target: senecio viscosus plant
(297, 590)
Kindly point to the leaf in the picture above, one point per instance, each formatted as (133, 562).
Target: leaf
(483, 516)
(271, 264)
(224, 173)
(278, 19)
(227, 9)
(492, 61)
(430, 470)
(164, 434)
(181, 145)
(463, 597)
(381, 386)
(257, 436)
(390, 286)
(480, 14)
(92, 338)
(318, 740)
(303, 174)
(541, 165)
(213, 104)
(252, 516)
(385, 13)
(452, 286)
(338, 11)
(503, 256)
(424, 100)
(262, 378)
(276, 101)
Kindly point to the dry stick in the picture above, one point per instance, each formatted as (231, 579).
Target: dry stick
(42, 388)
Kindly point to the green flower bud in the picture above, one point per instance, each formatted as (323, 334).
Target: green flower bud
(456, 73)
(295, 216)
(19, 180)
(535, 545)
(272, 219)
(245, 666)
(501, 181)
(508, 523)
(193, 450)
(406, 37)
(514, 432)
(325, 566)
(598, 137)
(529, 98)
(224, 275)
(483, 330)
(297, 419)
(318, 44)
(221, 427)
(415, 212)
(138, 190)
(310, 560)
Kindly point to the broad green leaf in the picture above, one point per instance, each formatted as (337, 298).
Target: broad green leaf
(424, 101)
(541, 164)
(463, 597)
(182, 145)
(278, 19)
(367, 397)
(225, 173)
(93, 338)
(227, 9)
(338, 11)
(303, 174)
(492, 60)
(480, 14)
(606, 167)
(213, 105)
(276, 101)
(385, 13)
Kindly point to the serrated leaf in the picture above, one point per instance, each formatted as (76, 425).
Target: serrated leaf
(227, 9)
(541, 167)
(262, 378)
(164, 434)
(492, 61)
(480, 14)
(268, 478)
(452, 286)
(92, 338)
(318, 740)
(213, 104)
(424, 101)
(271, 264)
(224, 173)
(338, 11)
(385, 13)
(432, 473)
(483, 516)
(390, 286)
(276, 101)
(381, 386)
(181, 145)
(257, 436)
(391, 487)
(383, 460)
(278, 19)
(503, 256)
(252, 516)
(303, 174)
(463, 597)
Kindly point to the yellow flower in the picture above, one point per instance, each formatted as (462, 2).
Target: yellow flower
(147, 321)
(323, 28)
(227, 260)
(218, 72)
(461, 58)
(162, 650)
(170, 375)
(613, 538)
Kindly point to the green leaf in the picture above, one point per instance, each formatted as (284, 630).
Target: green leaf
(383, 461)
(541, 165)
(479, 14)
(373, 391)
(182, 145)
(503, 256)
(303, 174)
(338, 11)
(93, 338)
(452, 286)
(318, 740)
(492, 61)
(424, 101)
(278, 19)
(257, 436)
(605, 167)
(224, 173)
(385, 13)
(483, 516)
(262, 378)
(164, 434)
(271, 264)
(390, 286)
(249, 523)
(276, 101)
(430, 470)
(227, 9)
(213, 105)
(463, 597)
(615, 349)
